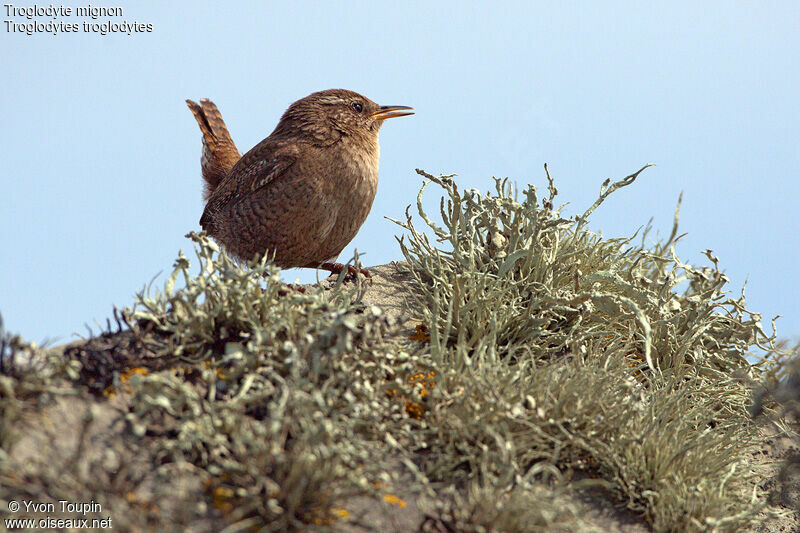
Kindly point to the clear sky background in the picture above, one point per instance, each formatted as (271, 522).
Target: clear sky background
(100, 158)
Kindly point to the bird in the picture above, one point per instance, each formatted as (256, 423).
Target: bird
(301, 194)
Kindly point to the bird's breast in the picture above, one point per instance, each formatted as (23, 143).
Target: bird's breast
(350, 192)
(359, 176)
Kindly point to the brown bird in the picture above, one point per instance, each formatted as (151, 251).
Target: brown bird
(301, 194)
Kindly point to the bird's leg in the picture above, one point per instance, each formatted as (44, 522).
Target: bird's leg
(337, 268)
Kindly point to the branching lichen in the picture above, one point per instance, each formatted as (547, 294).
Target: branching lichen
(542, 351)
(555, 346)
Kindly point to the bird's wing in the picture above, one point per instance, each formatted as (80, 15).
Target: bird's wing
(264, 163)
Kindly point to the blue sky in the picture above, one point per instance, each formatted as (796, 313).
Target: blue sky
(100, 156)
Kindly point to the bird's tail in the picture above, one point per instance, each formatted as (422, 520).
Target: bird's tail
(219, 150)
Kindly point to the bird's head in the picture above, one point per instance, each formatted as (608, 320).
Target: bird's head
(326, 116)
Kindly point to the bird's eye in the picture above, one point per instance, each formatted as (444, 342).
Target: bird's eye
(358, 107)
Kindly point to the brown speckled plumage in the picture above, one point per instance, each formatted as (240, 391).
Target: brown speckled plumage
(303, 192)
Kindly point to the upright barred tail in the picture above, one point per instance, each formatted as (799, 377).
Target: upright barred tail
(219, 150)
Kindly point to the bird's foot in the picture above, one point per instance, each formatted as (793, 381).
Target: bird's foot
(293, 288)
(337, 268)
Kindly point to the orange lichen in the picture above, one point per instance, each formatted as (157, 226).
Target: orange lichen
(110, 391)
(327, 517)
(415, 410)
(138, 370)
(221, 498)
(422, 383)
(421, 334)
(394, 500)
(339, 512)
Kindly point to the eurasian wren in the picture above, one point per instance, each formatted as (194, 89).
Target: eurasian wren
(302, 193)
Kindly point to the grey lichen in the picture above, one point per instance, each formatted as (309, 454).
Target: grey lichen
(542, 352)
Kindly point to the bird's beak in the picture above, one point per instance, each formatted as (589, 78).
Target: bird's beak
(391, 111)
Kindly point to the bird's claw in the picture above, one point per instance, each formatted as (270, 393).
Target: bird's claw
(352, 272)
(293, 288)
